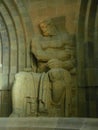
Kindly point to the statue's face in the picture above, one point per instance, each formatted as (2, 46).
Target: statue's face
(47, 29)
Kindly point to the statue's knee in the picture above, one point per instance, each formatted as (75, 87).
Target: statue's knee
(56, 77)
(56, 74)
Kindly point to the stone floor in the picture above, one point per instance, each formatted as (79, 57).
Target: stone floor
(48, 124)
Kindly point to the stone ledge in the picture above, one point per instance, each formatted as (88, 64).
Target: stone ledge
(48, 123)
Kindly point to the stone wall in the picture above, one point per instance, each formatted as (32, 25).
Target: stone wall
(19, 21)
(87, 61)
(16, 32)
(15, 37)
(45, 9)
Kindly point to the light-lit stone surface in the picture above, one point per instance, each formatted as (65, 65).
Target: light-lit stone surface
(54, 52)
(15, 37)
(48, 124)
(16, 32)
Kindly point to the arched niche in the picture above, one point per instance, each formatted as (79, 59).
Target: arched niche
(15, 38)
(87, 59)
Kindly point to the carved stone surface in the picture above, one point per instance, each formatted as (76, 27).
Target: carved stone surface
(15, 37)
(46, 91)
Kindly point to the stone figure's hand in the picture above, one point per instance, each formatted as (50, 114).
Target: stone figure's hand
(55, 63)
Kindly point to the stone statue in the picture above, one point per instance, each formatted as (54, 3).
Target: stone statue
(43, 91)
(54, 49)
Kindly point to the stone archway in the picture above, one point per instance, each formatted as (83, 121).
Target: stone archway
(15, 37)
(87, 58)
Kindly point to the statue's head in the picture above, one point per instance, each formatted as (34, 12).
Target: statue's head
(48, 28)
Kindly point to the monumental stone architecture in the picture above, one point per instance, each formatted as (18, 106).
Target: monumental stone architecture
(51, 83)
(48, 58)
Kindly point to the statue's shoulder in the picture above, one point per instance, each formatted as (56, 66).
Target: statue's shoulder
(36, 38)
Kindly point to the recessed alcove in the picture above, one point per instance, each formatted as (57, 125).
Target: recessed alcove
(18, 25)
